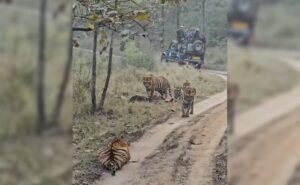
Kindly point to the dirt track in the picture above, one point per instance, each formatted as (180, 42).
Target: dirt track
(268, 156)
(180, 151)
(265, 149)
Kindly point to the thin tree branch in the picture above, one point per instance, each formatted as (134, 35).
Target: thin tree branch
(81, 29)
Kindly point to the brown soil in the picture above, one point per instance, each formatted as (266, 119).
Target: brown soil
(180, 151)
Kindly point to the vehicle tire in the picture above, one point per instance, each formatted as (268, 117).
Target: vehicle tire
(198, 46)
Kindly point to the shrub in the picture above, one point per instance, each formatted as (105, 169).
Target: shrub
(135, 57)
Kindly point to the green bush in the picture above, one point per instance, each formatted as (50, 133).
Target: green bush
(135, 57)
(216, 58)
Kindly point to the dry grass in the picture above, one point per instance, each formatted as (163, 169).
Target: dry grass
(44, 161)
(259, 75)
(126, 119)
(277, 27)
(216, 58)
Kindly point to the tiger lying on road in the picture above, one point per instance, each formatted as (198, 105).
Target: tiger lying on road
(115, 156)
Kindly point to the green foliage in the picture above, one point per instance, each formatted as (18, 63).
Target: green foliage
(135, 57)
(191, 16)
(216, 58)
(277, 27)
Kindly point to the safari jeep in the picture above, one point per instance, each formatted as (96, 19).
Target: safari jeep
(190, 50)
(242, 17)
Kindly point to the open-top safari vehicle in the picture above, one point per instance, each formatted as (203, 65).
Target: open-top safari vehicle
(188, 48)
(242, 17)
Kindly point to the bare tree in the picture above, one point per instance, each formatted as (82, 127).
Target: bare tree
(178, 16)
(103, 96)
(109, 68)
(94, 66)
(203, 17)
(162, 36)
(64, 83)
(107, 19)
(41, 121)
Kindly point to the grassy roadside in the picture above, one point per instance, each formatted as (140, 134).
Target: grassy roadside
(259, 75)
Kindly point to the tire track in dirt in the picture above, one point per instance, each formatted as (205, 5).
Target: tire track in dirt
(220, 162)
(295, 179)
(265, 149)
(268, 156)
(184, 157)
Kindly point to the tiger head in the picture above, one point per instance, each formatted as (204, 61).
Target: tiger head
(113, 167)
(177, 91)
(186, 84)
(148, 80)
(189, 91)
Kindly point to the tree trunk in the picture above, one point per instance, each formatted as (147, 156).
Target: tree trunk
(64, 83)
(109, 68)
(103, 96)
(162, 36)
(94, 65)
(178, 16)
(203, 18)
(41, 120)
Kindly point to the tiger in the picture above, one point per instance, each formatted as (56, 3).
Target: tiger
(178, 93)
(186, 84)
(159, 84)
(115, 156)
(188, 101)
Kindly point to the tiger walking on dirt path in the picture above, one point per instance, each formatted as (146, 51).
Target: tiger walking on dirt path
(189, 93)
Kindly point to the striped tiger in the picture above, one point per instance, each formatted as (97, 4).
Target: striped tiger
(186, 84)
(115, 156)
(159, 84)
(188, 101)
(178, 93)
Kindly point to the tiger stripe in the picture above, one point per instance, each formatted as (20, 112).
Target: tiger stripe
(115, 156)
(159, 84)
(188, 101)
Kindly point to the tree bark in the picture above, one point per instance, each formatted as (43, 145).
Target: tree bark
(41, 117)
(94, 65)
(203, 18)
(64, 83)
(162, 36)
(109, 68)
(178, 16)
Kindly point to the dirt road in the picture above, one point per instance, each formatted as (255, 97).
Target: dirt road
(179, 151)
(269, 155)
(265, 149)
